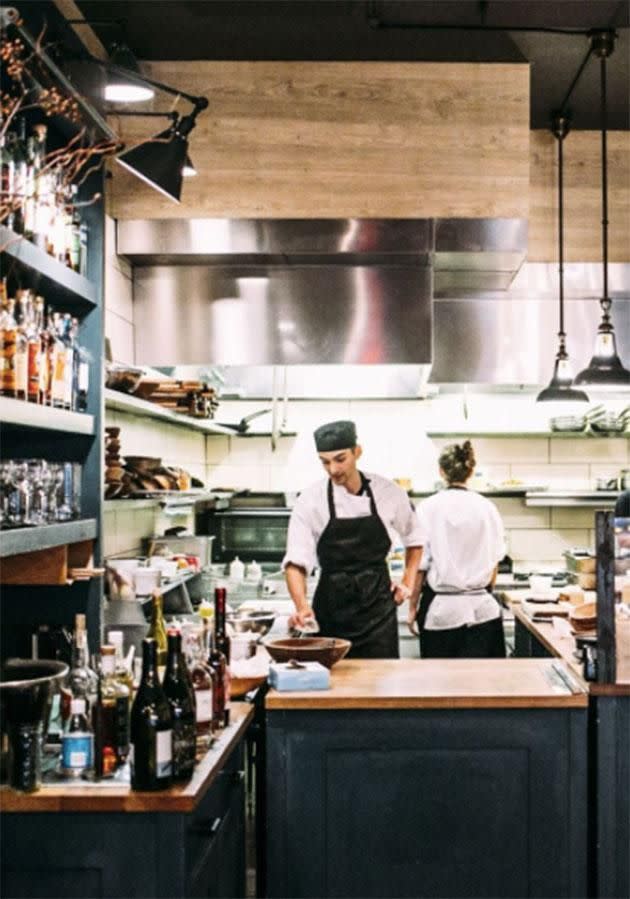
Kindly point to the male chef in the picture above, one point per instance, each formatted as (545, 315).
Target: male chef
(346, 524)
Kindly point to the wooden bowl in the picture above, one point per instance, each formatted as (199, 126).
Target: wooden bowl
(584, 617)
(326, 650)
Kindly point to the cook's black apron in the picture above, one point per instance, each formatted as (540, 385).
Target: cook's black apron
(496, 646)
(353, 599)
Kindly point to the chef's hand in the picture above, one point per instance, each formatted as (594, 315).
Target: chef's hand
(299, 618)
(400, 592)
(412, 621)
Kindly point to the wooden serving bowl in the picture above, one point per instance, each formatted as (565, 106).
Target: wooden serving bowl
(584, 617)
(326, 650)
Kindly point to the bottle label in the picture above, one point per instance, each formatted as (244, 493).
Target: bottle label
(77, 751)
(21, 371)
(84, 376)
(184, 741)
(203, 710)
(164, 753)
(34, 357)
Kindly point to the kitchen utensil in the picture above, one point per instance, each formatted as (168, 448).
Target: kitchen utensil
(146, 580)
(584, 617)
(326, 650)
(567, 423)
(122, 377)
(254, 621)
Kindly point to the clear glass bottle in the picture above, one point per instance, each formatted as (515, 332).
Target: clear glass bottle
(217, 663)
(34, 350)
(69, 368)
(21, 348)
(44, 353)
(203, 685)
(83, 679)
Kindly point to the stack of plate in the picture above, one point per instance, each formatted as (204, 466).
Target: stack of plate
(584, 618)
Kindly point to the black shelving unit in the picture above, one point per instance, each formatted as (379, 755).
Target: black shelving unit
(30, 431)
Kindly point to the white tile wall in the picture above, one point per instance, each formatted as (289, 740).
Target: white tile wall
(393, 436)
(118, 292)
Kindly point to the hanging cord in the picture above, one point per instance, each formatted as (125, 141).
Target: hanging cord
(560, 128)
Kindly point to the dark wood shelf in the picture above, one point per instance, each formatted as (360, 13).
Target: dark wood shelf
(53, 279)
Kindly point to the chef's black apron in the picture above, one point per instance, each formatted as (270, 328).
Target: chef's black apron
(484, 640)
(353, 599)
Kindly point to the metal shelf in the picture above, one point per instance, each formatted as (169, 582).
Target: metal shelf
(124, 402)
(29, 415)
(596, 499)
(28, 540)
(53, 279)
(561, 435)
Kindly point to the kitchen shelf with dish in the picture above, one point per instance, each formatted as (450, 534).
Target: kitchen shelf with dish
(124, 402)
(53, 277)
(19, 413)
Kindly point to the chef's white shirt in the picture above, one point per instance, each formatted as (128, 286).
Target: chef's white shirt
(463, 540)
(310, 516)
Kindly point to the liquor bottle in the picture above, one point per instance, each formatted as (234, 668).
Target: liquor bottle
(21, 165)
(83, 679)
(110, 717)
(21, 348)
(222, 643)
(77, 744)
(58, 358)
(69, 370)
(8, 340)
(157, 628)
(7, 156)
(34, 350)
(203, 685)
(44, 353)
(151, 752)
(181, 698)
(83, 375)
(44, 199)
(216, 661)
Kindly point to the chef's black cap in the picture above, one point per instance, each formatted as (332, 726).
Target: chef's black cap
(336, 435)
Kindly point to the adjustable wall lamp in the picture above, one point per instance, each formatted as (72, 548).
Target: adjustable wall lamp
(605, 369)
(160, 161)
(189, 170)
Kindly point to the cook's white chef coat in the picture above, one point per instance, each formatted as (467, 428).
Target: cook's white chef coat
(310, 516)
(463, 540)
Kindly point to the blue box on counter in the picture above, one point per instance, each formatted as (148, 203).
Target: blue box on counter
(298, 676)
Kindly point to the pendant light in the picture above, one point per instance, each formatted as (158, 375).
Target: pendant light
(560, 385)
(605, 369)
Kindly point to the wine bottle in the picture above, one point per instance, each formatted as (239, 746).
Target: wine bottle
(157, 628)
(216, 661)
(181, 697)
(223, 645)
(151, 751)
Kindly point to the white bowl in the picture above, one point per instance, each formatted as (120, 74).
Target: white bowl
(146, 580)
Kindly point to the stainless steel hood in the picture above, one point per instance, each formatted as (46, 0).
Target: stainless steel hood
(356, 291)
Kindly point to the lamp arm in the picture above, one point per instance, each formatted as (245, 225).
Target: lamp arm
(198, 102)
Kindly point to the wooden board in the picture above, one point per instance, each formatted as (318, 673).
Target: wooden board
(582, 197)
(180, 798)
(343, 139)
(434, 683)
(563, 647)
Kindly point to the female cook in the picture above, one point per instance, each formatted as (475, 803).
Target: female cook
(463, 541)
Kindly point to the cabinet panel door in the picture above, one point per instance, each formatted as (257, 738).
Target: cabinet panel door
(220, 867)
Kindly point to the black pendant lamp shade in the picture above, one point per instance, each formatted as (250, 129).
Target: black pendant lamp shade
(560, 387)
(160, 161)
(605, 369)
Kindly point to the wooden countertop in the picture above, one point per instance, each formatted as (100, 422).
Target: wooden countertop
(563, 648)
(437, 684)
(121, 798)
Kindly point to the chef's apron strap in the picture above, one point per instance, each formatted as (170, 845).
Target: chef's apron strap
(427, 595)
(331, 501)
